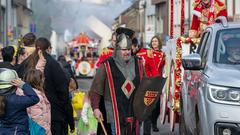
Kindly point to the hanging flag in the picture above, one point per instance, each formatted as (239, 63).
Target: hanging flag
(33, 27)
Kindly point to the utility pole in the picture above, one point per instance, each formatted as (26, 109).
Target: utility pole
(1, 19)
(6, 22)
(8, 19)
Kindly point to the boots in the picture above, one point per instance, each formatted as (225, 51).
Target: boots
(155, 128)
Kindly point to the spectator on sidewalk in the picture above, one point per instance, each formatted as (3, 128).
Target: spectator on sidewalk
(55, 86)
(13, 114)
(27, 49)
(41, 112)
(9, 60)
(73, 85)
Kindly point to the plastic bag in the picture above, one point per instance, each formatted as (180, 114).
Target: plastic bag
(35, 128)
(77, 102)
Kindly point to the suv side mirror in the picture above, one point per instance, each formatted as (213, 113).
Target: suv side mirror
(192, 62)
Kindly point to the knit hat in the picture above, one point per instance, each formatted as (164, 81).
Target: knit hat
(6, 76)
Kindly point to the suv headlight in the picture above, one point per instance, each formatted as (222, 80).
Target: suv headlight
(224, 95)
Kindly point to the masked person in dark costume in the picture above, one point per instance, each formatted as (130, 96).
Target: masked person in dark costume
(117, 80)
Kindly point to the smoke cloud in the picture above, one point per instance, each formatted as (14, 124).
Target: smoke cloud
(73, 14)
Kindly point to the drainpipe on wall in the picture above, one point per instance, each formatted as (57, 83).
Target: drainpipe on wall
(8, 20)
(1, 33)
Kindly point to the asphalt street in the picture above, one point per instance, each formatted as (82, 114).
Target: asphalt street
(84, 85)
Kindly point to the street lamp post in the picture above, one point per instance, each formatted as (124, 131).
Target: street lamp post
(1, 33)
(142, 8)
(6, 22)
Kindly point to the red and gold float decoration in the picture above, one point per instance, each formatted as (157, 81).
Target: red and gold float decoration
(170, 98)
(176, 80)
(178, 70)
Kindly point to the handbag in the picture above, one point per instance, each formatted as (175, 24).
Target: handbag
(35, 128)
(72, 84)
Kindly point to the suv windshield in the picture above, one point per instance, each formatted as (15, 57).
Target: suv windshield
(227, 47)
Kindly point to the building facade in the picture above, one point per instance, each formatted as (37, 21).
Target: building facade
(15, 18)
(163, 11)
(162, 17)
(149, 22)
(3, 22)
(133, 18)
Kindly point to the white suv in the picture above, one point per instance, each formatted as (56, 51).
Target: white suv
(210, 96)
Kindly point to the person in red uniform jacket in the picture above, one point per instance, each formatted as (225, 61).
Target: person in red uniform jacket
(107, 51)
(154, 65)
(155, 58)
(138, 50)
(203, 16)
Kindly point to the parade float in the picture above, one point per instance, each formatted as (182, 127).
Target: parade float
(177, 47)
(84, 52)
(170, 98)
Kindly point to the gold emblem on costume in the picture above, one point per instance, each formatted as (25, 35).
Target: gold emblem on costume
(150, 97)
(150, 53)
(128, 88)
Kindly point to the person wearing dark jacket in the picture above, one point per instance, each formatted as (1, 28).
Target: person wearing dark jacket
(67, 70)
(9, 60)
(70, 79)
(55, 86)
(13, 113)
